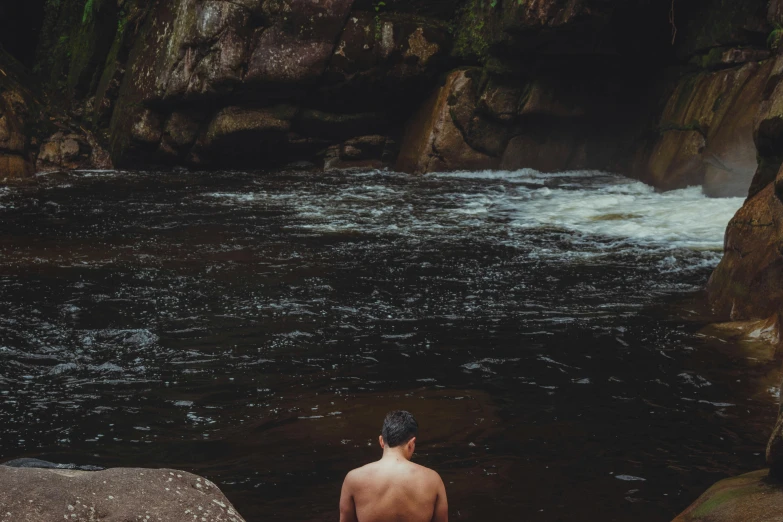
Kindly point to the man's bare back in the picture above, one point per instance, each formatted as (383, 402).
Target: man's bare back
(394, 489)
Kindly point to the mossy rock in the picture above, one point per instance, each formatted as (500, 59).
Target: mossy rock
(748, 498)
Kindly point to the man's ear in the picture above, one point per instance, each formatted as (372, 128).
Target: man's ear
(380, 441)
(412, 445)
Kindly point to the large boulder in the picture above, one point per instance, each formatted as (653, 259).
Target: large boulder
(748, 282)
(707, 132)
(120, 494)
(216, 69)
(748, 498)
(434, 140)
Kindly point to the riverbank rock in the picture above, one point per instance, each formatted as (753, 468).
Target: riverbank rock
(435, 139)
(17, 110)
(748, 498)
(120, 494)
(706, 131)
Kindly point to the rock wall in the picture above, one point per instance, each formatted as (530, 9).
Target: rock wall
(420, 86)
(746, 286)
(262, 84)
(18, 110)
(547, 84)
(544, 99)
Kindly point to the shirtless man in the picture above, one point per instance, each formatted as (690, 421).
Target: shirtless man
(394, 489)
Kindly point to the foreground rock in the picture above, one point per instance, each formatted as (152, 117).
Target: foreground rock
(747, 498)
(120, 494)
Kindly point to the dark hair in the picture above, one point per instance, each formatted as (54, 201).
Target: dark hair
(398, 428)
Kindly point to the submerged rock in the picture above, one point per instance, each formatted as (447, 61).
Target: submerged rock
(748, 498)
(44, 495)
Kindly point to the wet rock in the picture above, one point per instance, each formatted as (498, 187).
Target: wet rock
(677, 160)
(385, 60)
(707, 132)
(433, 140)
(17, 109)
(363, 147)
(182, 128)
(751, 262)
(64, 152)
(750, 497)
(14, 167)
(247, 138)
(541, 99)
(737, 56)
(233, 121)
(501, 101)
(113, 494)
(13, 110)
(768, 132)
(148, 127)
(543, 152)
(298, 47)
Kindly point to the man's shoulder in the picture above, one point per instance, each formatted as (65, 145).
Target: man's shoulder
(426, 475)
(361, 471)
(426, 471)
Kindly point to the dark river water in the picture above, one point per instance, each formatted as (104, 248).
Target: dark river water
(255, 328)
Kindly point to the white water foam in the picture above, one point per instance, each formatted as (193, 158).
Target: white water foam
(604, 204)
(588, 213)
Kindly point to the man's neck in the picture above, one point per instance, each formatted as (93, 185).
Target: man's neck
(394, 454)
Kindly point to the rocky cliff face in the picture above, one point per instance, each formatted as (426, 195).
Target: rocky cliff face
(746, 286)
(14, 99)
(421, 86)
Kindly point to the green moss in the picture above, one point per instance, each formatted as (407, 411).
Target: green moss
(471, 39)
(90, 45)
(720, 498)
(773, 40)
(710, 59)
(87, 13)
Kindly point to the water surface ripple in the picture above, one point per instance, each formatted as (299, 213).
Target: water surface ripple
(255, 327)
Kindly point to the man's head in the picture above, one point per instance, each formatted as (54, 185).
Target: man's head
(399, 432)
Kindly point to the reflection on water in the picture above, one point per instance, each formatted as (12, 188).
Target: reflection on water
(254, 328)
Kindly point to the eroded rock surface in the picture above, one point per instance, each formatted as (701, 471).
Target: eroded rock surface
(120, 494)
(748, 498)
(747, 284)
(17, 111)
(707, 129)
